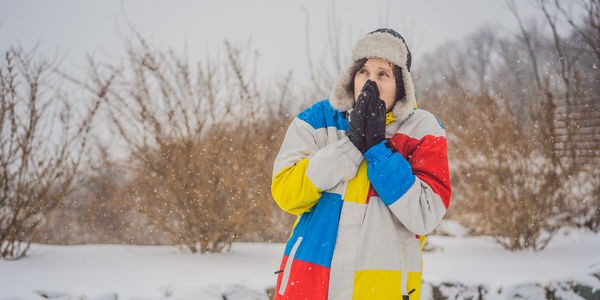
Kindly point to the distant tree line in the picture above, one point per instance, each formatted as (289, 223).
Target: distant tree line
(523, 116)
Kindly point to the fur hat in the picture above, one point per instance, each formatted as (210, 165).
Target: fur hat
(384, 44)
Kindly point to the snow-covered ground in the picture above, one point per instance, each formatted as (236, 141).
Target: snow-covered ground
(472, 261)
(103, 272)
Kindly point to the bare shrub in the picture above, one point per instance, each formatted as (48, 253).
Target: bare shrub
(39, 163)
(200, 146)
(504, 179)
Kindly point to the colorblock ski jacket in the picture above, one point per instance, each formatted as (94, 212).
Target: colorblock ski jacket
(361, 219)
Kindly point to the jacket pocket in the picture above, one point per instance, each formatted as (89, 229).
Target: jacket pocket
(288, 267)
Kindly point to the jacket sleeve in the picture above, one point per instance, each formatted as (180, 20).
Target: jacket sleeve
(306, 166)
(417, 190)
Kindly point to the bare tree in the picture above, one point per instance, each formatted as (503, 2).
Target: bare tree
(483, 41)
(332, 60)
(39, 164)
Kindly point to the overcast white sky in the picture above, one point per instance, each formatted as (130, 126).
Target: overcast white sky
(276, 28)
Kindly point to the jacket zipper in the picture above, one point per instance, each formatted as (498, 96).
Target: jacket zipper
(404, 270)
(288, 267)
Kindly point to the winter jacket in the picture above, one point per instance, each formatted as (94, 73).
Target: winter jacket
(361, 219)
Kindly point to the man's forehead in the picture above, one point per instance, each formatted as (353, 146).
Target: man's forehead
(380, 63)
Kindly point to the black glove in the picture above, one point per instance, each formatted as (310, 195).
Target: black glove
(361, 115)
(374, 120)
(356, 133)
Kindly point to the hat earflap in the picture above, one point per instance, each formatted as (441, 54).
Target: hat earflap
(404, 107)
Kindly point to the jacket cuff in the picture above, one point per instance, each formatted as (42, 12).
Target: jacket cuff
(348, 147)
(378, 151)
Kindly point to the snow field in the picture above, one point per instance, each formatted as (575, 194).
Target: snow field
(103, 272)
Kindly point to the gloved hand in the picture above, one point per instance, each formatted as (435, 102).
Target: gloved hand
(374, 121)
(356, 133)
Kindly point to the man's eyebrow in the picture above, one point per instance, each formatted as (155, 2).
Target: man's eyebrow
(384, 69)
